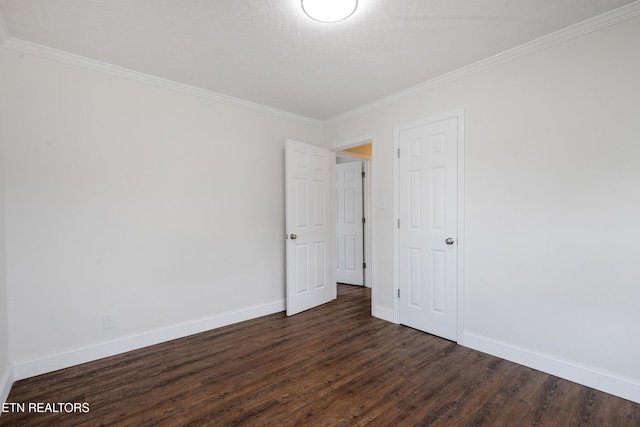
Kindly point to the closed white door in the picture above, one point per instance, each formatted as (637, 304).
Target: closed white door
(349, 224)
(308, 227)
(427, 239)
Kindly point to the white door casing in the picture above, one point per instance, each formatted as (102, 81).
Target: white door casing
(349, 225)
(367, 197)
(428, 226)
(309, 275)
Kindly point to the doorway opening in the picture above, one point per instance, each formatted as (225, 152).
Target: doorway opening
(310, 221)
(353, 228)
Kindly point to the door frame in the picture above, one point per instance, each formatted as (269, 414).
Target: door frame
(369, 238)
(459, 115)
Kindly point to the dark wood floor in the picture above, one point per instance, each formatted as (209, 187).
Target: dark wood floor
(331, 366)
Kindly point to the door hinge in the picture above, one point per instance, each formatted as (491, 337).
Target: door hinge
(398, 153)
(364, 220)
(398, 222)
(398, 292)
(364, 265)
(363, 174)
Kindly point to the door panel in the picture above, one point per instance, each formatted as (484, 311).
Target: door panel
(427, 172)
(308, 225)
(349, 229)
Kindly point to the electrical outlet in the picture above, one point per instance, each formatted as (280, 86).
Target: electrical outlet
(109, 321)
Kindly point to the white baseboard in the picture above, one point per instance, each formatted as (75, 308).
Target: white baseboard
(6, 381)
(597, 379)
(30, 368)
(382, 313)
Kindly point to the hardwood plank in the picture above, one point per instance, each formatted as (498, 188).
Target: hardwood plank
(331, 366)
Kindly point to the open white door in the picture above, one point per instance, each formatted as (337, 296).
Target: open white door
(349, 224)
(309, 268)
(428, 231)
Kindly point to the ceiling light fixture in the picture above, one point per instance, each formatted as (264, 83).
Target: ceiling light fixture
(329, 10)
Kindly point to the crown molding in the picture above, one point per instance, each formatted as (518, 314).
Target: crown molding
(34, 49)
(545, 42)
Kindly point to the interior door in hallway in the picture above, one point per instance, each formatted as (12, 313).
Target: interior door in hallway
(309, 267)
(427, 238)
(349, 224)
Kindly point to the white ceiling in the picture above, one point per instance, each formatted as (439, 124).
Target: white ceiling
(270, 53)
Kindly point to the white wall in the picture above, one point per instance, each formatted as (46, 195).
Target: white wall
(5, 373)
(552, 199)
(160, 207)
(120, 198)
(5, 367)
